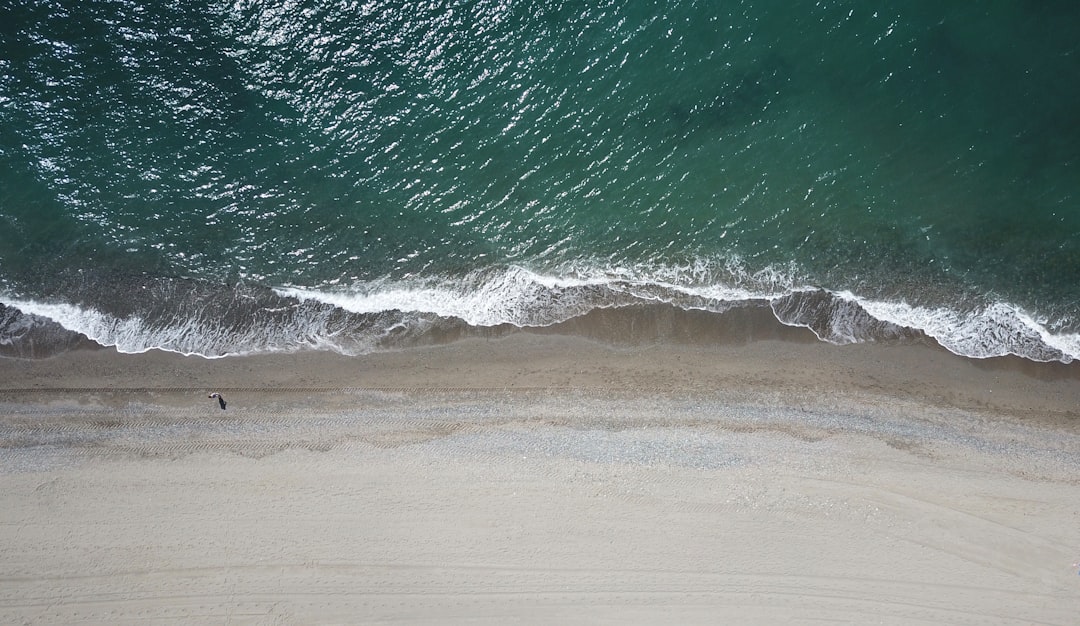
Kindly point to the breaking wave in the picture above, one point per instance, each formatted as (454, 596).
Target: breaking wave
(197, 318)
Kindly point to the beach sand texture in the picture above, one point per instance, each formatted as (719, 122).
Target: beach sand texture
(541, 478)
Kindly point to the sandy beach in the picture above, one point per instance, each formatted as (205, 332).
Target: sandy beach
(545, 313)
(542, 478)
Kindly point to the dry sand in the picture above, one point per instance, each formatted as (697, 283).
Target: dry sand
(542, 479)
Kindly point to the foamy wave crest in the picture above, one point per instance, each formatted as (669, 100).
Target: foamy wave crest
(487, 298)
(998, 329)
(30, 336)
(135, 315)
(993, 330)
(837, 319)
(522, 297)
(137, 334)
(206, 322)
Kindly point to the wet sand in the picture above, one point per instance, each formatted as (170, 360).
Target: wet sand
(542, 478)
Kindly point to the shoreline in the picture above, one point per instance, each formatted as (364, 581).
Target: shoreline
(830, 318)
(668, 350)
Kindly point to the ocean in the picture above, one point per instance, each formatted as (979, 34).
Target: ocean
(234, 177)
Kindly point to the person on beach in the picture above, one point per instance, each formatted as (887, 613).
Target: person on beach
(220, 400)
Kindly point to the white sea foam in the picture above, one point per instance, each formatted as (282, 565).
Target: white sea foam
(522, 297)
(188, 336)
(359, 319)
(99, 327)
(514, 296)
(998, 329)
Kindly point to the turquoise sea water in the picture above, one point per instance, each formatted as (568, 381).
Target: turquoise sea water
(232, 177)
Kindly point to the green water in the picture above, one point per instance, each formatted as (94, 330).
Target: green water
(918, 160)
